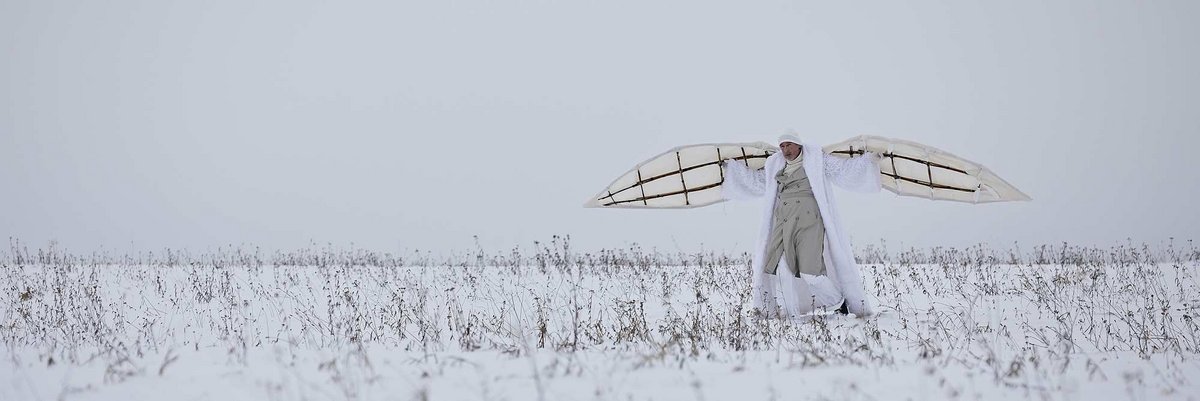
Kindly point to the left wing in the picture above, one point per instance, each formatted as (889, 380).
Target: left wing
(912, 169)
(682, 177)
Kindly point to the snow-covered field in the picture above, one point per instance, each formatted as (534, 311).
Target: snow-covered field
(551, 323)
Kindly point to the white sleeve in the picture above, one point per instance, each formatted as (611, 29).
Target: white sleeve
(858, 174)
(742, 183)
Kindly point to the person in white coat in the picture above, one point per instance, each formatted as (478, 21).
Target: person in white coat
(803, 262)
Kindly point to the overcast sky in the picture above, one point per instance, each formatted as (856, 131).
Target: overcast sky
(401, 125)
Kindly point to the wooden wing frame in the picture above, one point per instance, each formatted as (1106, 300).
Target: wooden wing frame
(683, 177)
(914, 169)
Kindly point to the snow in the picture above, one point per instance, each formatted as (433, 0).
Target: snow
(1069, 324)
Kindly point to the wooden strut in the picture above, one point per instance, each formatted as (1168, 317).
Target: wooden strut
(642, 181)
(721, 170)
(644, 198)
(894, 171)
(925, 183)
(893, 155)
(928, 169)
(639, 170)
(679, 160)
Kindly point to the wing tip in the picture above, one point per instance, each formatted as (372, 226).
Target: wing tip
(1021, 196)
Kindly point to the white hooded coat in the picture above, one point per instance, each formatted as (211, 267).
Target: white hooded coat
(797, 296)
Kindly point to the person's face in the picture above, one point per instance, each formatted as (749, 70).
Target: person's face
(790, 150)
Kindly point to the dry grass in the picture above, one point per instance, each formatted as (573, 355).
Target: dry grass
(1023, 318)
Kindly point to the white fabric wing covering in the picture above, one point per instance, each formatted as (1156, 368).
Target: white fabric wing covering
(913, 169)
(683, 177)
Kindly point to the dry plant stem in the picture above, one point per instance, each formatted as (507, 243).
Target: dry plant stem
(1021, 317)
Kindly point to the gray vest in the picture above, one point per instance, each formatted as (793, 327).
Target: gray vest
(793, 185)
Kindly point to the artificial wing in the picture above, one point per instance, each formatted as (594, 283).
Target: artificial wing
(912, 169)
(683, 177)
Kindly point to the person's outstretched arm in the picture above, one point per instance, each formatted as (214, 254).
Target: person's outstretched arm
(858, 174)
(741, 182)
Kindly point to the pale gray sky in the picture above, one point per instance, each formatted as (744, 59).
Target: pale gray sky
(401, 125)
